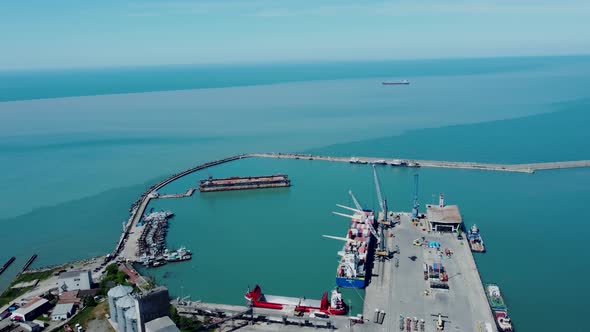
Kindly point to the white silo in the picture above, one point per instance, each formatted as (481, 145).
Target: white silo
(113, 295)
(131, 320)
(123, 304)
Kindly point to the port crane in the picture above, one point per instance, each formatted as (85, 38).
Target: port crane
(416, 204)
(360, 210)
(382, 217)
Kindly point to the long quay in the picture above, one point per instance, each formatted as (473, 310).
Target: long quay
(522, 168)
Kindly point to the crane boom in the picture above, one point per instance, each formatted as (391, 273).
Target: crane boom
(348, 216)
(339, 238)
(364, 216)
(416, 204)
(379, 196)
(349, 208)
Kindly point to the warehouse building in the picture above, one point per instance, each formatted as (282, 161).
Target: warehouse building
(31, 310)
(74, 280)
(443, 218)
(62, 311)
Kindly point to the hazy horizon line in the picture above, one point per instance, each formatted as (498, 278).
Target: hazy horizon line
(285, 62)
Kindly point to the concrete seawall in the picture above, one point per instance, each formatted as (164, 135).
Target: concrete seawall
(127, 246)
(521, 168)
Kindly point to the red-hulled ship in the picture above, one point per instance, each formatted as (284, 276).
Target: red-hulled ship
(333, 307)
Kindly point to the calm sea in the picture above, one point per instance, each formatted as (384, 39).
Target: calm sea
(70, 167)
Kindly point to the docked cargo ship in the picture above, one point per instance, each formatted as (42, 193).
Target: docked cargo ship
(355, 257)
(498, 308)
(335, 306)
(402, 82)
(475, 240)
(242, 183)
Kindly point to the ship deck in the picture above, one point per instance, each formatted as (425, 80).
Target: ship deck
(295, 301)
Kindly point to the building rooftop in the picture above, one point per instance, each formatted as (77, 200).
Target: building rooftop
(63, 309)
(126, 301)
(162, 324)
(131, 314)
(448, 214)
(72, 274)
(152, 291)
(120, 291)
(30, 306)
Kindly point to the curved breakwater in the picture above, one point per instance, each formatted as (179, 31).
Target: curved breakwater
(126, 247)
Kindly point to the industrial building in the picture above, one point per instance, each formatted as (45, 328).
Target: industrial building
(130, 313)
(31, 310)
(62, 311)
(163, 324)
(151, 305)
(124, 304)
(115, 294)
(74, 280)
(443, 218)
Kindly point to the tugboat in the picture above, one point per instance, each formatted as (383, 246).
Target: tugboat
(499, 308)
(475, 240)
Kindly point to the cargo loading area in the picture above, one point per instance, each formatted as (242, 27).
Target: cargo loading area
(399, 288)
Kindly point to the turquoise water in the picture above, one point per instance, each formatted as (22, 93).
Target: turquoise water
(70, 167)
(530, 225)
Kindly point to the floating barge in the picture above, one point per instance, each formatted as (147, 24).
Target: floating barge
(244, 183)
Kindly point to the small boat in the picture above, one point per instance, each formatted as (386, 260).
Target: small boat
(182, 254)
(475, 240)
(499, 308)
(335, 306)
(402, 82)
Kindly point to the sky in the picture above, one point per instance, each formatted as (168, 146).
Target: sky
(107, 33)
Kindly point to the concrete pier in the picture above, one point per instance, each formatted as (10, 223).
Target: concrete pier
(401, 291)
(188, 193)
(521, 168)
(127, 248)
(265, 319)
